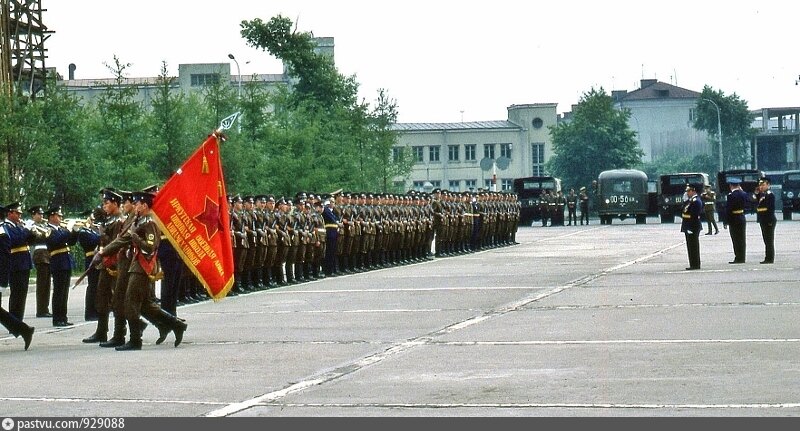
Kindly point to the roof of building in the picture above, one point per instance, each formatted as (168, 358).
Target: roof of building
(653, 89)
(474, 125)
(149, 81)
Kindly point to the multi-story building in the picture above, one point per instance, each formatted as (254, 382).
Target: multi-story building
(775, 146)
(478, 155)
(662, 115)
(191, 78)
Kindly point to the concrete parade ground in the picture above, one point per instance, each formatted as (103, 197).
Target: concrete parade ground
(598, 320)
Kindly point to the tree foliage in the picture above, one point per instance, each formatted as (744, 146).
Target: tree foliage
(597, 138)
(735, 119)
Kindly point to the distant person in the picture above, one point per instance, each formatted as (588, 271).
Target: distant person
(736, 222)
(691, 226)
(572, 206)
(765, 214)
(583, 196)
(709, 206)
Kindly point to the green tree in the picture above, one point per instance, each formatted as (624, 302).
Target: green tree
(119, 130)
(735, 119)
(318, 129)
(597, 138)
(168, 120)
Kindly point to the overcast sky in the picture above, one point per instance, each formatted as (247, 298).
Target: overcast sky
(437, 58)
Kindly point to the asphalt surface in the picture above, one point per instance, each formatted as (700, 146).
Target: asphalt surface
(573, 321)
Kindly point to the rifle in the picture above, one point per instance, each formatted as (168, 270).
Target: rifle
(95, 260)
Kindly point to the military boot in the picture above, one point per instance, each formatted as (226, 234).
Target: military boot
(298, 273)
(135, 341)
(101, 333)
(118, 338)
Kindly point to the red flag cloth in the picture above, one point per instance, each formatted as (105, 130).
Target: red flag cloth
(192, 212)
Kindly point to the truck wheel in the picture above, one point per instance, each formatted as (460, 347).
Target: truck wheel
(787, 215)
(641, 219)
(667, 218)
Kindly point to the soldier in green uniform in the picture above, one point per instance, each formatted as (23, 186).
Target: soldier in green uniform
(141, 242)
(709, 208)
(41, 261)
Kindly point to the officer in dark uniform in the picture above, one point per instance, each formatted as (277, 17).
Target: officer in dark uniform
(14, 238)
(691, 226)
(765, 214)
(41, 261)
(89, 239)
(61, 263)
(736, 222)
(331, 235)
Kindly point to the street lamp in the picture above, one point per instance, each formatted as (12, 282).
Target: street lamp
(239, 73)
(719, 132)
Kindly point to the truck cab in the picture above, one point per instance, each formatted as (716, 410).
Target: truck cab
(671, 189)
(622, 193)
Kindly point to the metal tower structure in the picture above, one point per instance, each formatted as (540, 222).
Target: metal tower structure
(22, 51)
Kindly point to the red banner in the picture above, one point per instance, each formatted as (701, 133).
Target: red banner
(192, 212)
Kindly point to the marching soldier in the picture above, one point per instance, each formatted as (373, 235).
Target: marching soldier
(122, 261)
(239, 243)
(141, 242)
(107, 268)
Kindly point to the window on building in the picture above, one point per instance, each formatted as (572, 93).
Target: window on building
(452, 153)
(692, 114)
(469, 152)
(506, 184)
(419, 154)
(537, 152)
(433, 153)
(488, 151)
(454, 185)
(419, 186)
(203, 79)
(487, 184)
(505, 150)
(537, 157)
(470, 185)
(397, 154)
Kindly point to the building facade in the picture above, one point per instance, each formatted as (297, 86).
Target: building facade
(662, 115)
(478, 155)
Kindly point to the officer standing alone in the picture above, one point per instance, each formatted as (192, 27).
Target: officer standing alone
(736, 222)
(765, 214)
(691, 226)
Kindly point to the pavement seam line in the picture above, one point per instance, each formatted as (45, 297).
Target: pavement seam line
(418, 341)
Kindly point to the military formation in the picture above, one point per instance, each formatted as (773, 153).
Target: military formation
(281, 241)
(276, 242)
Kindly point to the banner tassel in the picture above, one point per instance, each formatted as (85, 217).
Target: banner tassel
(205, 168)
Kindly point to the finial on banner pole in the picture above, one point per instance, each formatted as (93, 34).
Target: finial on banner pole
(227, 122)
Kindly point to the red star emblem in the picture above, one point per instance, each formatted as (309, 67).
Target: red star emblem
(209, 217)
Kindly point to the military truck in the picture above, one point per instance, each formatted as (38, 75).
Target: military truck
(671, 189)
(749, 179)
(529, 191)
(790, 193)
(622, 193)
